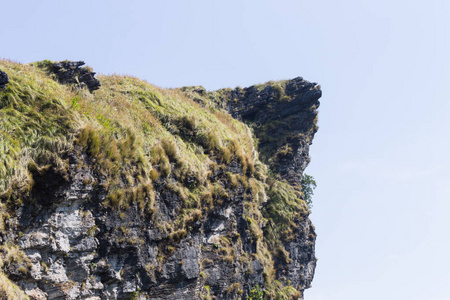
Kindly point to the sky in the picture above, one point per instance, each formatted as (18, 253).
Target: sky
(381, 155)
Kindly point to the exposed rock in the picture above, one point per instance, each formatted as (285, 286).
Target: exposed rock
(4, 80)
(283, 119)
(300, 271)
(69, 72)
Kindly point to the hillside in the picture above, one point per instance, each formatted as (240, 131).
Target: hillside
(112, 188)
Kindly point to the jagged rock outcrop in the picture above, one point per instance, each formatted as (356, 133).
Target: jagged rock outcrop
(4, 80)
(70, 72)
(283, 116)
(174, 204)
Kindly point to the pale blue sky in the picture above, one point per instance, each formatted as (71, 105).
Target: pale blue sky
(381, 156)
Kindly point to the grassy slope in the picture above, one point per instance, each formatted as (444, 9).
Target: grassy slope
(139, 135)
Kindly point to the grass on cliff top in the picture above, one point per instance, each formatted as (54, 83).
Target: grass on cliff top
(137, 132)
(36, 123)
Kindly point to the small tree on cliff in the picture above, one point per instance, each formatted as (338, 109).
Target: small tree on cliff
(308, 186)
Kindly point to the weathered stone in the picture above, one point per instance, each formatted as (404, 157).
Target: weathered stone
(69, 72)
(36, 293)
(282, 119)
(4, 80)
(86, 244)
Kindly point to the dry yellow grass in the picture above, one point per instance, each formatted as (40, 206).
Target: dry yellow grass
(10, 291)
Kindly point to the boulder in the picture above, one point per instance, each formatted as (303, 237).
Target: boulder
(4, 80)
(71, 72)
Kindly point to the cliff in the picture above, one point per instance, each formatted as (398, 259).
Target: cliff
(128, 191)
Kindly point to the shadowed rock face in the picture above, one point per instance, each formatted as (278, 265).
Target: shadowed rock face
(283, 116)
(3, 79)
(69, 72)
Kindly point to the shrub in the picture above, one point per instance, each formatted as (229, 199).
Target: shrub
(256, 294)
(308, 186)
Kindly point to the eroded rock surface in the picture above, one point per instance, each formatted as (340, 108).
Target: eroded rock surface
(71, 72)
(284, 121)
(4, 80)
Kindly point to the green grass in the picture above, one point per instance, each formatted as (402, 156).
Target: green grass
(282, 212)
(37, 125)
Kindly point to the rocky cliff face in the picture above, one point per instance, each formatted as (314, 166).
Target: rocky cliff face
(160, 195)
(283, 116)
